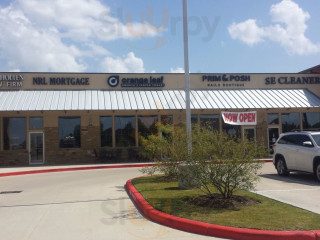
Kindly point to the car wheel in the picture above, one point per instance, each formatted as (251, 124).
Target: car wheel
(282, 167)
(317, 172)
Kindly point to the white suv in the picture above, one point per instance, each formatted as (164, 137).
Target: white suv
(297, 151)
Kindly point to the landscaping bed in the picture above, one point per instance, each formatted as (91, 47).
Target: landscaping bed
(245, 210)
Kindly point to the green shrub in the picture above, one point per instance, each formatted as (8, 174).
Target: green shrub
(225, 162)
(167, 149)
(217, 160)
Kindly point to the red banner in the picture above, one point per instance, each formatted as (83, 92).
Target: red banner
(240, 118)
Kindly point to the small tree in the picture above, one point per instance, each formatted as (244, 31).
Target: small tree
(224, 162)
(218, 162)
(167, 149)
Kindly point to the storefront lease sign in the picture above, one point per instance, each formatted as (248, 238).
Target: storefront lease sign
(240, 118)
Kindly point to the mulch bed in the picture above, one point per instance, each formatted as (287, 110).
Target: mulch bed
(218, 202)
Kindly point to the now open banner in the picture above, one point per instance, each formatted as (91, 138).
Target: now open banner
(240, 118)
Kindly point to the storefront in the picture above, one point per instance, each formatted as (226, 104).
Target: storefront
(72, 118)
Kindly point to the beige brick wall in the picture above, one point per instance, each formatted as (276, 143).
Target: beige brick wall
(90, 151)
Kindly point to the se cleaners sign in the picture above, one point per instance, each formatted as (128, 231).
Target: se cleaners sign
(240, 118)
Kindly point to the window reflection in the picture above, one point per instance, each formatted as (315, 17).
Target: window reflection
(194, 119)
(210, 121)
(273, 118)
(290, 121)
(232, 130)
(166, 119)
(147, 125)
(311, 120)
(125, 131)
(14, 133)
(106, 131)
(35, 123)
(69, 132)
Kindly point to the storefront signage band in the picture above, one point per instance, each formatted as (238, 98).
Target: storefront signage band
(240, 118)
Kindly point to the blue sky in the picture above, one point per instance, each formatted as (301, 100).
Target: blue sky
(231, 36)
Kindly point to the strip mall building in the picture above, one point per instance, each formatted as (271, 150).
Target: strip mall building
(73, 118)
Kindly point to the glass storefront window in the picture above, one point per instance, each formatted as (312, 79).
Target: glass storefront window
(210, 121)
(35, 123)
(232, 130)
(14, 133)
(166, 119)
(125, 128)
(290, 121)
(194, 119)
(311, 120)
(147, 125)
(69, 132)
(106, 131)
(273, 118)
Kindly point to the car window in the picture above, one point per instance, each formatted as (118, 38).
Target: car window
(295, 139)
(287, 139)
(300, 139)
(317, 139)
(283, 140)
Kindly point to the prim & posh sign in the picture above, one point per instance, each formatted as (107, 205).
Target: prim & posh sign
(226, 80)
(240, 118)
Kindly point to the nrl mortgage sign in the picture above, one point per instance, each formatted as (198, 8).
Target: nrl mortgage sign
(240, 118)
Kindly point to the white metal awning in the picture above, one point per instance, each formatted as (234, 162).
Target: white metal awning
(37, 100)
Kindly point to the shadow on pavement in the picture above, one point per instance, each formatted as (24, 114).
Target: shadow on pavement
(301, 178)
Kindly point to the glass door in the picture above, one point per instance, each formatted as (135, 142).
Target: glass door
(273, 135)
(36, 149)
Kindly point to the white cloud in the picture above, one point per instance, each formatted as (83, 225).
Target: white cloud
(127, 64)
(81, 20)
(247, 31)
(63, 36)
(177, 70)
(24, 46)
(288, 30)
(15, 70)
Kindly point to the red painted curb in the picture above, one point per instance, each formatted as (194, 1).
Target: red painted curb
(211, 229)
(267, 160)
(73, 169)
(85, 168)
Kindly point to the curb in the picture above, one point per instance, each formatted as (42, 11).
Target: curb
(85, 168)
(74, 169)
(211, 229)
